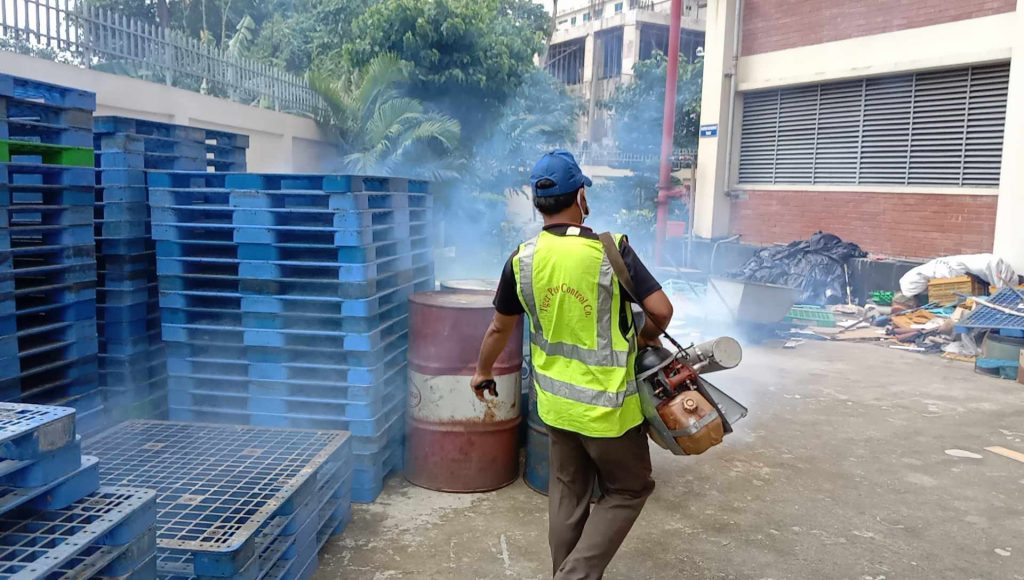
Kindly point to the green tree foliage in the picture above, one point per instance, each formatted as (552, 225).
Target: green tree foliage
(380, 129)
(305, 32)
(540, 115)
(637, 111)
(637, 108)
(469, 56)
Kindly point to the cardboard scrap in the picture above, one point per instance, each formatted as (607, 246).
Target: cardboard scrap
(912, 319)
(869, 333)
(959, 357)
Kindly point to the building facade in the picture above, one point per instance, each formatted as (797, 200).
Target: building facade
(596, 43)
(896, 124)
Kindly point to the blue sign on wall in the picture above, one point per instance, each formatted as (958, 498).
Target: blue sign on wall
(709, 130)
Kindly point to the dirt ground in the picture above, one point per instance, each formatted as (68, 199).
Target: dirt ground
(856, 462)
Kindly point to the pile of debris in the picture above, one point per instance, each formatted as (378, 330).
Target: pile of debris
(968, 308)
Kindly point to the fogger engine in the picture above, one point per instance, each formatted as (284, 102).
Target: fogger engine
(685, 413)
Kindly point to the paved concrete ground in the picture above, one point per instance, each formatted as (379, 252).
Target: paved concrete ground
(842, 470)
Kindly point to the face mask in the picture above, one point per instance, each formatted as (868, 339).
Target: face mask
(583, 210)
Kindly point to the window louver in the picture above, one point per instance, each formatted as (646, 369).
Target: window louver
(942, 128)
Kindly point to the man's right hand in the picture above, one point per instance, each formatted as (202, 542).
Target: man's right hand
(477, 380)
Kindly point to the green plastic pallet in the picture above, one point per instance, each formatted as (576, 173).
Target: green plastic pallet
(811, 316)
(51, 154)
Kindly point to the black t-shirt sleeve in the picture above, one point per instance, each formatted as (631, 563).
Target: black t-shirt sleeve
(644, 282)
(506, 300)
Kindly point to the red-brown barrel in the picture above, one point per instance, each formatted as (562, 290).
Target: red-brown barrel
(474, 285)
(454, 442)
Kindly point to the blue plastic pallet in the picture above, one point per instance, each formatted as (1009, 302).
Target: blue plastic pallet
(297, 304)
(984, 317)
(199, 470)
(150, 359)
(369, 493)
(274, 538)
(31, 90)
(91, 422)
(233, 317)
(306, 372)
(371, 468)
(358, 427)
(52, 181)
(22, 109)
(145, 571)
(103, 125)
(215, 397)
(120, 193)
(99, 561)
(303, 566)
(28, 432)
(202, 346)
(121, 178)
(309, 287)
(57, 494)
(310, 253)
(35, 544)
(37, 123)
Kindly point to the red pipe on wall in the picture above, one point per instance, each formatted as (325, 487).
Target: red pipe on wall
(667, 127)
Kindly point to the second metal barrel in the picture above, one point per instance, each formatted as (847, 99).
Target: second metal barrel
(454, 442)
(538, 465)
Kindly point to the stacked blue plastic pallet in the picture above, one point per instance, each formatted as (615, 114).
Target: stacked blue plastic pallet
(234, 501)
(170, 147)
(56, 521)
(10, 367)
(133, 370)
(46, 188)
(284, 302)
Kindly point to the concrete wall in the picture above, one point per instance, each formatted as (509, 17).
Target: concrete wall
(1009, 231)
(791, 42)
(278, 142)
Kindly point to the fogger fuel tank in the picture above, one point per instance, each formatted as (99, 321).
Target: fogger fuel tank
(454, 442)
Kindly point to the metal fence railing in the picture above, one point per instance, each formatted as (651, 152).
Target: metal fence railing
(681, 158)
(74, 32)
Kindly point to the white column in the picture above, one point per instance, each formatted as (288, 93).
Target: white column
(630, 49)
(1009, 237)
(711, 209)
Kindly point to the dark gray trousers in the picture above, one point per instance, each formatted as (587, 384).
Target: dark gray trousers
(584, 538)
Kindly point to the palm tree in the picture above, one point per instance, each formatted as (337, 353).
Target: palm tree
(382, 130)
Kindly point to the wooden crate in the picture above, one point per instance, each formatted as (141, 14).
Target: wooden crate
(944, 290)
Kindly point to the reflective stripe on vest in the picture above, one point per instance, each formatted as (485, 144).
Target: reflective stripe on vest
(604, 355)
(612, 400)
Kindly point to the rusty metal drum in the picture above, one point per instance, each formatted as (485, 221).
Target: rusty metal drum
(455, 442)
(481, 285)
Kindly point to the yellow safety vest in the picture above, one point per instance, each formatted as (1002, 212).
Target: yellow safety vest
(582, 362)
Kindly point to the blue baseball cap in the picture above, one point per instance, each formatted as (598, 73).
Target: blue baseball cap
(560, 167)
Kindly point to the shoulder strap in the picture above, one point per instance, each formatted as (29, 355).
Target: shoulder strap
(619, 267)
(618, 264)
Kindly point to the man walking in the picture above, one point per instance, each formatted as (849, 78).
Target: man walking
(583, 347)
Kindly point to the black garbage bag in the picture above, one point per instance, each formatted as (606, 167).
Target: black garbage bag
(815, 266)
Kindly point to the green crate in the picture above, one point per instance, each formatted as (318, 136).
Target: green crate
(811, 316)
(51, 154)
